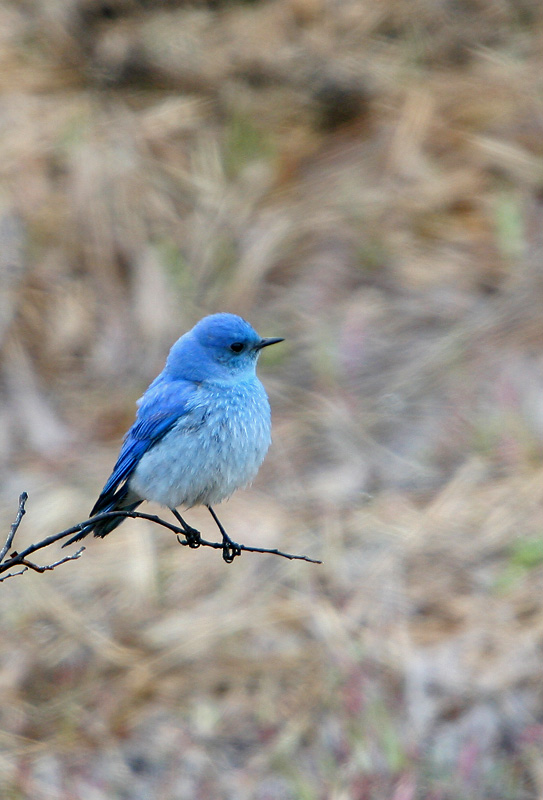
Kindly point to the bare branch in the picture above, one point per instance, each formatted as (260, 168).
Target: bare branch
(16, 559)
(13, 574)
(38, 568)
(11, 535)
(220, 546)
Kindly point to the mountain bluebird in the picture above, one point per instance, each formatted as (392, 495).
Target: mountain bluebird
(202, 429)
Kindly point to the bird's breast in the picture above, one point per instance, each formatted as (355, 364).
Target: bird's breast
(214, 449)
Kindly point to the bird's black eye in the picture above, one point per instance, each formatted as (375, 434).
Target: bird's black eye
(236, 347)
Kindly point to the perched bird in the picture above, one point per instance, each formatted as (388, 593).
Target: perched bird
(202, 429)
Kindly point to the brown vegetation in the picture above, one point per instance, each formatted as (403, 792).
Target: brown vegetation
(365, 179)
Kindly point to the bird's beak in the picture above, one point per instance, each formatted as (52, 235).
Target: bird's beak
(266, 342)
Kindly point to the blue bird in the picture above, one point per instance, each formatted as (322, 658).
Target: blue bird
(202, 429)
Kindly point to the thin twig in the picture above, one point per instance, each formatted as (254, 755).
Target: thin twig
(248, 549)
(38, 568)
(16, 559)
(13, 574)
(11, 535)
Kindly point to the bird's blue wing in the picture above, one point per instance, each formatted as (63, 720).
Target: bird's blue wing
(159, 409)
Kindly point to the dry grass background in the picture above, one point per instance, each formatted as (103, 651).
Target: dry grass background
(365, 179)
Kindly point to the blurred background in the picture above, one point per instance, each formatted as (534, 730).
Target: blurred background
(366, 180)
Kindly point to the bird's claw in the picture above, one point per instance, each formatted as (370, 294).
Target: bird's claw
(230, 550)
(193, 538)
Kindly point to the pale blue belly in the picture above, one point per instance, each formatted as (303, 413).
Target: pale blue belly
(209, 454)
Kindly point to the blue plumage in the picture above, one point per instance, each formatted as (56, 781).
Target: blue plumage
(202, 428)
(159, 410)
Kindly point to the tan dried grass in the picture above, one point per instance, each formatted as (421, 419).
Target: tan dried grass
(160, 165)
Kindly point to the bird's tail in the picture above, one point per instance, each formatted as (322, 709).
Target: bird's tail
(121, 501)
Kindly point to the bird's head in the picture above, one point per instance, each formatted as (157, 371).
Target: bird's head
(220, 348)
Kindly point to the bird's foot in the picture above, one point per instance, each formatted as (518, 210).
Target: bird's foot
(191, 534)
(193, 537)
(230, 549)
